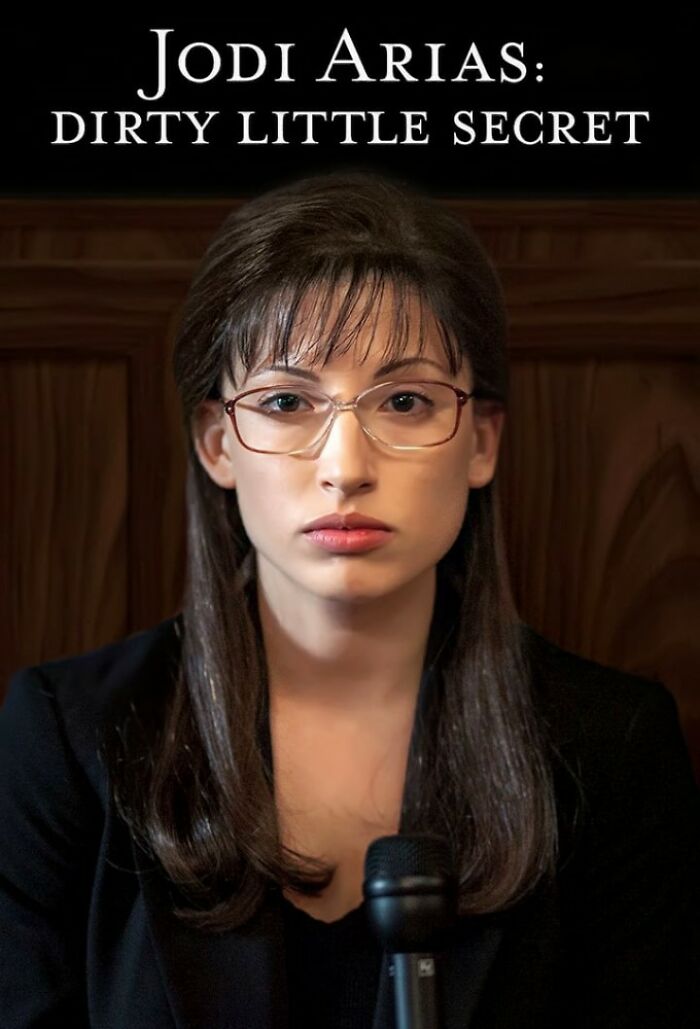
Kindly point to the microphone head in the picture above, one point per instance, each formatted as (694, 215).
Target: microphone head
(391, 857)
(410, 891)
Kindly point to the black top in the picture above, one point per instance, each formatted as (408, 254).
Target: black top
(332, 969)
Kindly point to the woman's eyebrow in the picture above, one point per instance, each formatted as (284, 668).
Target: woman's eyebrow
(391, 366)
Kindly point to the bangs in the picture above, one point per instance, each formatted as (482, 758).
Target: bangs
(321, 315)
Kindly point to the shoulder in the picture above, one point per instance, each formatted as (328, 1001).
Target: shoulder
(580, 699)
(73, 696)
(618, 737)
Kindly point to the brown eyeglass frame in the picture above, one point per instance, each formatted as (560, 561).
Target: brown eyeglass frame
(350, 405)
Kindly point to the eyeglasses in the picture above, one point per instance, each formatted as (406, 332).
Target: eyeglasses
(405, 415)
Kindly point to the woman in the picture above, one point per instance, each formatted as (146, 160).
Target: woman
(189, 809)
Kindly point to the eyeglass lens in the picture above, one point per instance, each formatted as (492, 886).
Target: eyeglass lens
(281, 419)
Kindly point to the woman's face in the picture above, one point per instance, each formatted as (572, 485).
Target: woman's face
(421, 495)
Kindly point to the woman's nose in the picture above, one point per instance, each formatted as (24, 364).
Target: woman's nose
(345, 455)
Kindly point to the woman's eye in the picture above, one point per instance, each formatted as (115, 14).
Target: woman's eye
(279, 403)
(405, 402)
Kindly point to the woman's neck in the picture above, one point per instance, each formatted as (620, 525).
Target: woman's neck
(360, 655)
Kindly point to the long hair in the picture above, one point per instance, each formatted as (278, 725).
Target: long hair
(196, 785)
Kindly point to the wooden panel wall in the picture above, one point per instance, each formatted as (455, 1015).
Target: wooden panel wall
(600, 469)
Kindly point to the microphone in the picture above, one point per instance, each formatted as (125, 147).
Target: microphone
(411, 899)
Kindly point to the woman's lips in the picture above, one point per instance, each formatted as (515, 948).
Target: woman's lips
(349, 541)
(347, 521)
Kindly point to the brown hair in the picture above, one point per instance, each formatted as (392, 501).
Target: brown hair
(196, 785)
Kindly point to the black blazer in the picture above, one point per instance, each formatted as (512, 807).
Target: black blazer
(88, 938)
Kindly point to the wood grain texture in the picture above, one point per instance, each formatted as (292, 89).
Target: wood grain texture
(64, 517)
(599, 474)
(103, 315)
(600, 485)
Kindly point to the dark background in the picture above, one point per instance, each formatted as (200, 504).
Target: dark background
(51, 65)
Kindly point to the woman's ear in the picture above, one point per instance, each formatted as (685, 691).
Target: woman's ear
(488, 419)
(212, 442)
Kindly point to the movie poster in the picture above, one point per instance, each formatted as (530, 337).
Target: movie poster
(520, 643)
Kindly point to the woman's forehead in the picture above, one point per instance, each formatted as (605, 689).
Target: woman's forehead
(331, 329)
(360, 352)
(372, 359)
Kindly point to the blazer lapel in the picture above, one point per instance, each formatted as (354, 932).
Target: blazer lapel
(230, 980)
